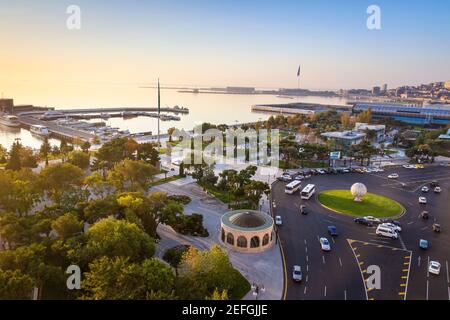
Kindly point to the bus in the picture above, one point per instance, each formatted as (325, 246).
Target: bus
(308, 191)
(293, 187)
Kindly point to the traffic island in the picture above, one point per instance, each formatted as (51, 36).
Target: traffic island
(343, 201)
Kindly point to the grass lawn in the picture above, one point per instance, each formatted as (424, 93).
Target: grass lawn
(165, 180)
(240, 288)
(371, 205)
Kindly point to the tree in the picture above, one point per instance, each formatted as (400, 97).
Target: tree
(345, 121)
(114, 238)
(67, 225)
(148, 153)
(98, 185)
(85, 146)
(170, 132)
(79, 158)
(64, 148)
(3, 154)
(365, 116)
(61, 179)
(203, 272)
(254, 190)
(45, 150)
(132, 175)
(119, 279)
(15, 161)
(14, 285)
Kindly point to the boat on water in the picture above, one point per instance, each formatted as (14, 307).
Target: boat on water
(39, 130)
(9, 120)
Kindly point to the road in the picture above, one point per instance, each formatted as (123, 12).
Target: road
(341, 273)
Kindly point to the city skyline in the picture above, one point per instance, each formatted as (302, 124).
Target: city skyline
(221, 43)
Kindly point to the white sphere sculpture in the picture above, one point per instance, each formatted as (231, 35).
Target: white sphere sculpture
(358, 190)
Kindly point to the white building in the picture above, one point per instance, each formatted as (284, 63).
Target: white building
(379, 129)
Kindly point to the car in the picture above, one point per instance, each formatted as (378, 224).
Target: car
(434, 267)
(424, 215)
(324, 244)
(286, 177)
(436, 227)
(386, 232)
(298, 177)
(387, 220)
(297, 273)
(425, 189)
(419, 166)
(278, 221)
(392, 226)
(363, 222)
(372, 219)
(321, 171)
(423, 244)
(334, 171)
(393, 176)
(346, 170)
(422, 200)
(303, 210)
(409, 166)
(434, 183)
(332, 230)
(437, 190)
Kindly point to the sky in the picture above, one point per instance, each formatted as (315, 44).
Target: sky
(224, 43)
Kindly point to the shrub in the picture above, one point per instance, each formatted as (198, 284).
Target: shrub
(190, 225)
(180, 198)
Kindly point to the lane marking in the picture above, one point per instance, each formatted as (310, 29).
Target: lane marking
(307, 278)
(427, 289)
(304, 291)
(325, 292)
(323, 259)
(345, 294)
(446, 264)
(350, 241)
(340, 263)
(307, 259)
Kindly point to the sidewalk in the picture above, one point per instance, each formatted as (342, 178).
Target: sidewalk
(264, 269)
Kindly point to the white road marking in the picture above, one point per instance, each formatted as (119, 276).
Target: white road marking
(306, 278)
(411, 222)
(448, 293)
(305, 242)
(424, 228)
(332, 239)
(304, 291)
(323, 259)
(418, 261)
(407, 277)
(340, 261)
(427, 289)
(307, 267)
(446, 264)
(325, 292)
(306, 258)
(345, 294)
(402, 243)
(306, 249)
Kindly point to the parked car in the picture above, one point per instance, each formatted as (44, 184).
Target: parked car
(437, 190)
(425, 189)
(297, 273)
(409, 166)
(346, 170)
(393, 176)
(422, 200)
(423, 244)
(324, 244)
(332, 230)
(386, 232)
(278, 221)
(387, 220)
(392, 226)
(372, 219)
(286, 177)
(298, 177)
(363, 222)
(434, 267)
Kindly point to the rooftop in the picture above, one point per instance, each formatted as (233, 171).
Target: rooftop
(250, 220)
(348, 135)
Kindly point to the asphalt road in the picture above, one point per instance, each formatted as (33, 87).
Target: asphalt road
(341, 273)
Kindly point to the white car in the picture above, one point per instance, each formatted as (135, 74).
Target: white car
(324, 244)
(278, 221)
(437, 190)
(434, 267)
(422, 200)
(425, 189)
(393, 176)
(392, 226)
(409, 166)
(286, 177)
(372, 219)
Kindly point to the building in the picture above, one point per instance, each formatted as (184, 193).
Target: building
(247, 231)
(379, 130)
(6, 105)
(376, 91)
(413, 114)
(344, 139)
(385, 88)
(447, 85)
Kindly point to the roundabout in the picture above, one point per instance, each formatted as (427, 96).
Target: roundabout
(343, 201)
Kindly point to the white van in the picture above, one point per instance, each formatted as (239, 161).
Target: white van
(386, 232)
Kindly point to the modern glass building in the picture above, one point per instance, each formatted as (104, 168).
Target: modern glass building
(407, 113)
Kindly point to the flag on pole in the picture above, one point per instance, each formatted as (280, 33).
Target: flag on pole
(298, 72)
(159, 99)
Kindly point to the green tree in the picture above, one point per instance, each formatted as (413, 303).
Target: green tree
(85, 146)
(67, 225)
(132, 175)
(45, 150)
(61, 179)
(148, 152)
(14, 285)
(112, 238)
(15, 161)
(79, 158)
